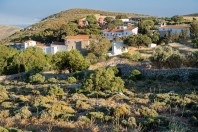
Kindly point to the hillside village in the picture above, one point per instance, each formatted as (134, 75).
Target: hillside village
(87, 70)
(124, 27)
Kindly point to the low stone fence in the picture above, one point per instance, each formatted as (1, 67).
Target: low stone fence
(10, 77)
(182, 72)
(125, 70)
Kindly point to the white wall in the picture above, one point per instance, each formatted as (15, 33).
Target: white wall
(173, 30)
(29, 43)
(111, 36)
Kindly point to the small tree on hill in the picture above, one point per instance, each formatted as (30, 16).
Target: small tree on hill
(103, 79)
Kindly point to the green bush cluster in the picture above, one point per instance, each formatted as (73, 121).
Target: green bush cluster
(37, 78)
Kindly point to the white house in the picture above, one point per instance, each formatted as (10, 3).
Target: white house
(29, 43)
(46, 48)
(120, 32)
(173, 29)
(152, 45)
(118, 48)
(125, 20)
(53, 48)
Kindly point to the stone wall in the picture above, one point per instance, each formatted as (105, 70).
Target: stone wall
(10, 77)
(182, 72)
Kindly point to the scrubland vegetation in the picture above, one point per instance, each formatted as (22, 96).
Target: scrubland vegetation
(105, 101)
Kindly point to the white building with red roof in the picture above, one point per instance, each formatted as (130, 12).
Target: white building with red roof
(120, 32)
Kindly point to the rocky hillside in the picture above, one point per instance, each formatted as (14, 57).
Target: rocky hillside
(6, 31)
(54, 22)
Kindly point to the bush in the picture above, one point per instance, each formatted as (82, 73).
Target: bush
(97, 115)
(132, 122)
(192, 59)
(3, 94)
(136, 75)
(52, 80)
(159, 106)
(136, 56)
(72, 80)
(82, 105)
(24, 113)
(165, 55)
(37, 78)
(3, 129)
(4, 114)
(56, 91)
(174, 61)
(122, 110)
(60, 107)
(145, 111)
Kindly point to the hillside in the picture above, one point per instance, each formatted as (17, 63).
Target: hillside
(54, 22)
(6, 31)
(192, 15)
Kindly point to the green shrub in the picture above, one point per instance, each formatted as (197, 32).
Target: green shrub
(132, 122)
(122, 110)
(37, 78)
(82, 105)
(159, 106)
(145, 111)
(96, 115)
(84, 119)
(192, 59)
(56, 91)
(24, 113)
(174, 61)
(135, 75)
(15, 130)
(3, 93)
(7, 104)
(3, 129)
(4, 114)
(52, 80)
(72, 80)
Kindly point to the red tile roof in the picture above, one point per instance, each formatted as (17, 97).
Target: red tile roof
(78, 37)
(29, 40)
(176, 26)
(41, 44)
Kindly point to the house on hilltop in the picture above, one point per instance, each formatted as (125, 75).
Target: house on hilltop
(120, 32)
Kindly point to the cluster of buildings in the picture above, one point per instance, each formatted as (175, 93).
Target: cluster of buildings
(81, 42)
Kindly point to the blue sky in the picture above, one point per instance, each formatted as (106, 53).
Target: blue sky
(19, 12)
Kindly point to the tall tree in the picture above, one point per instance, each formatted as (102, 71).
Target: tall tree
(99, 45)
(194, 30)
(91, 19)
(70, 60)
